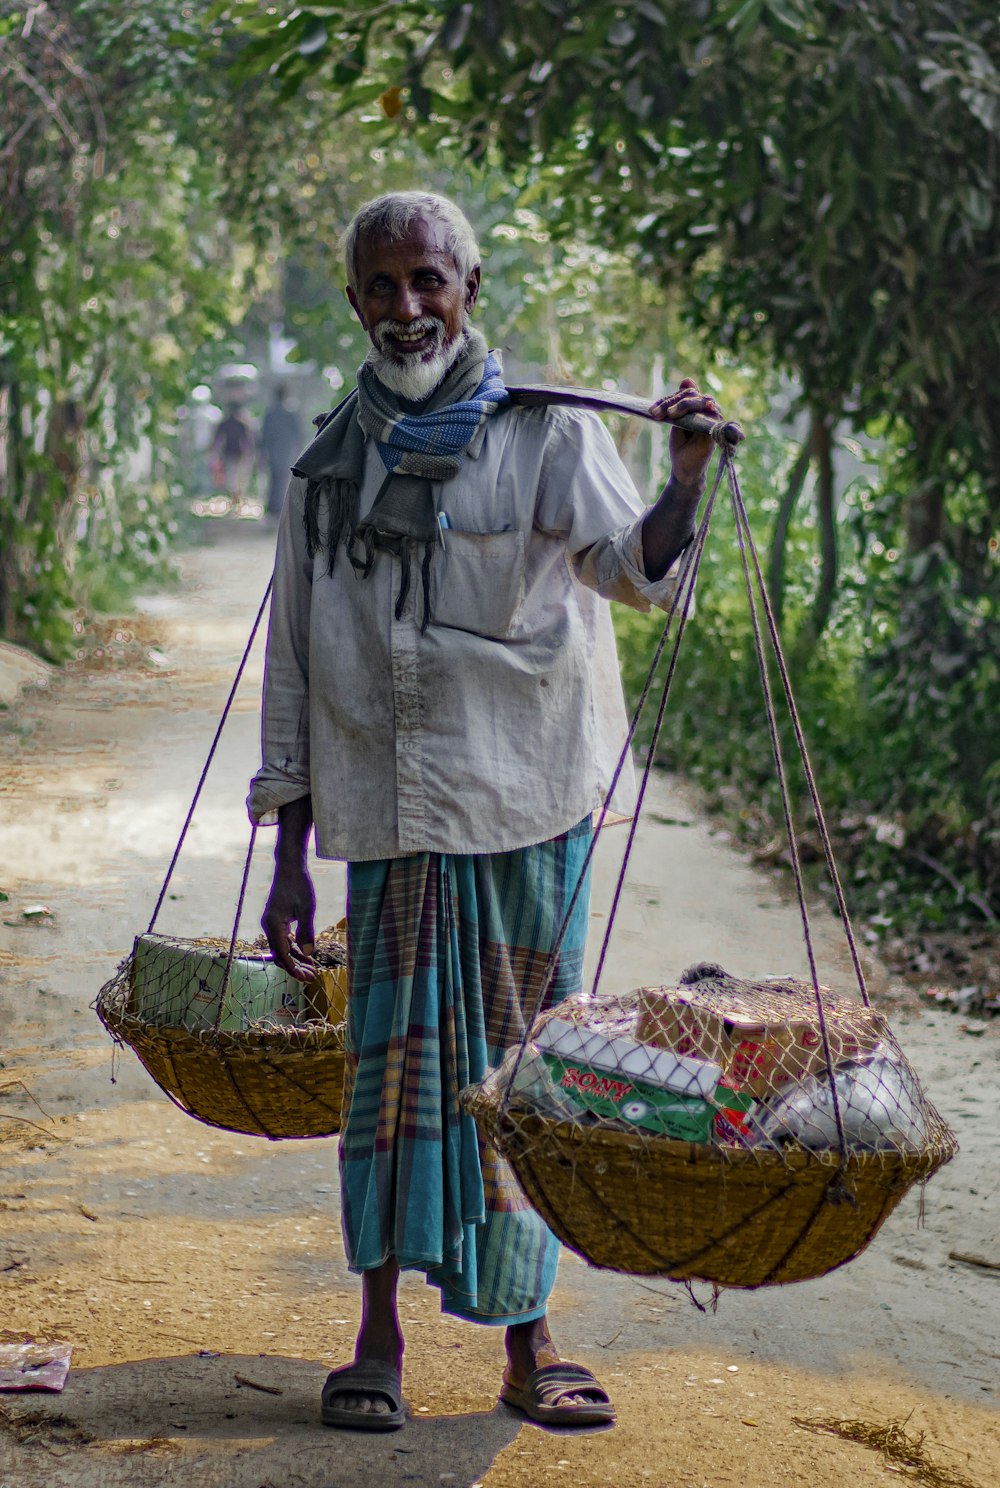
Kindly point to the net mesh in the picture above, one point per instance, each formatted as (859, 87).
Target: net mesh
(229, 1036)
(742, 1132)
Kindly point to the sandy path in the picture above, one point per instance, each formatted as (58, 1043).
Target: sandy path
(145, 1238)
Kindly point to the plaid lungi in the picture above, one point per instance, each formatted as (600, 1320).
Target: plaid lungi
(447, 955)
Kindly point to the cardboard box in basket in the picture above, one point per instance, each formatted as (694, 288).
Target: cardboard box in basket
(176, 983)
(617, 1077)
(763, 1041)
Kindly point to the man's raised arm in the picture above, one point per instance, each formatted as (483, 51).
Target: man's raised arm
(669, 525)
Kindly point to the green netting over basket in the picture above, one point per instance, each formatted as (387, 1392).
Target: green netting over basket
(690, 1132)
(252, 1050)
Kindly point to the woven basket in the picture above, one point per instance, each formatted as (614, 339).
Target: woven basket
(689, 1211)
(267, 1081)
(738, 1216)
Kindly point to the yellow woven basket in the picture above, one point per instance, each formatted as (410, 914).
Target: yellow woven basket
(741, 1215)
(689, 1211)
(268, 1080)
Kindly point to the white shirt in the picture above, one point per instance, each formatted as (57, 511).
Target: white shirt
(502, 723)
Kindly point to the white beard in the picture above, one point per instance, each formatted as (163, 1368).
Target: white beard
(411, 377)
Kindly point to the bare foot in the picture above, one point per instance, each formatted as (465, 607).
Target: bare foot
(530, 1347)
(380, 1342)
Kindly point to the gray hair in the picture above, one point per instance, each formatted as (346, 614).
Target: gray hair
(391, 216)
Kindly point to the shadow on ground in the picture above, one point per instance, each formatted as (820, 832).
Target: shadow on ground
(191, 1421)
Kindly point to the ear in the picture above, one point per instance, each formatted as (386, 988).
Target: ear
(472, 289)
(352, 297)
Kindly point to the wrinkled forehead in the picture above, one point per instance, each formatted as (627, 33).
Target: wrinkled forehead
(423, 239)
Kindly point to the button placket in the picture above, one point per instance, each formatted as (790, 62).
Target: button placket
(410, 792)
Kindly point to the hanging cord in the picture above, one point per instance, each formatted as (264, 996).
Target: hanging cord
(742, 534)
(685, 588)
(236, 930)
(793, 713)
(687, 583)
(211, 755)
(688, 576)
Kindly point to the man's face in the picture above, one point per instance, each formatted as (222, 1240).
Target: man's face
(414, 305)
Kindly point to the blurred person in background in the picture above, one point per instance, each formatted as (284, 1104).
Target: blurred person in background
(280, 442)
(232, 454)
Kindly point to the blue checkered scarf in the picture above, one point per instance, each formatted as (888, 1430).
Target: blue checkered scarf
(433, 444)
(417, 450)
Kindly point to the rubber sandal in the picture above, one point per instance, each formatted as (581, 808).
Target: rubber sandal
(542, 1397)
(370, 1377)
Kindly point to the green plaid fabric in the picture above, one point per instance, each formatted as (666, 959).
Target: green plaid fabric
(447, 955)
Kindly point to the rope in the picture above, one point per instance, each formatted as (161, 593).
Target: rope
(739, 513)
(685, 587)
(793, 713)
(236, 929)
(683, 595)
(211, 755)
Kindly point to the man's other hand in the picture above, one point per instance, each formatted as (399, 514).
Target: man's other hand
(292, 901)
(689, 453)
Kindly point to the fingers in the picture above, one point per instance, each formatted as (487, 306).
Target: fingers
(294, 958)
(687, 399)
(306, 930)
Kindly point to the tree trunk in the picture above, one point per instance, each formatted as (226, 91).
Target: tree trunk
(782, 522)
(925, 517)
(826, 586)
(8, 505)
(826, 591)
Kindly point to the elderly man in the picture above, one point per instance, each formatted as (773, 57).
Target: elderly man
(442, 707)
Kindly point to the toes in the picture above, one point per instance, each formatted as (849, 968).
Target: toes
(355, 1403)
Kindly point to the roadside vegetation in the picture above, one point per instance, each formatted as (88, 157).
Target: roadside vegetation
(795, 202)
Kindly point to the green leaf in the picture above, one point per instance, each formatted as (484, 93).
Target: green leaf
(978, 207)
(456, 28)
(314, 38)
(621, 33)
(793, 16)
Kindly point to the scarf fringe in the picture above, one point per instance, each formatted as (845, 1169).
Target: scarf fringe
(341, 527)
(342, 519)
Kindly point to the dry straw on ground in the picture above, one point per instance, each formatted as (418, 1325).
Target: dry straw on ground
(900, 1451)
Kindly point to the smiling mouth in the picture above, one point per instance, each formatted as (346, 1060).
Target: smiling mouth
(425, 338)
(412, 341)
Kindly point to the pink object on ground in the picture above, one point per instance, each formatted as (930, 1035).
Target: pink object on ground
(34, 1366)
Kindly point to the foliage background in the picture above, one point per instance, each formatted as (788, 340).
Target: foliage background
(798, 202)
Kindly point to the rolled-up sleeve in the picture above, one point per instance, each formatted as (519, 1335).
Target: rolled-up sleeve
(284, 773)
(587, 496)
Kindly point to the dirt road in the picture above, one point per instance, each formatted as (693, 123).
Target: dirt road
(200, 1275)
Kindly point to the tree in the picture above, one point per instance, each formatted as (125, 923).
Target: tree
(818, 182)
(117, 266)
(817, 187)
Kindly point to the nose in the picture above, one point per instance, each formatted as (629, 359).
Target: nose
(406, 304)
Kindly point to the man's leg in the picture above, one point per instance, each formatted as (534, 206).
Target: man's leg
(379, 1338)
(516, 905)
(457, 1009)
(529, 1346)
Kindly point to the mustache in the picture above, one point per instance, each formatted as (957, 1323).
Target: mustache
(425, 325)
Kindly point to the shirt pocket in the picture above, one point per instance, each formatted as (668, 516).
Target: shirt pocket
(477, 582)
